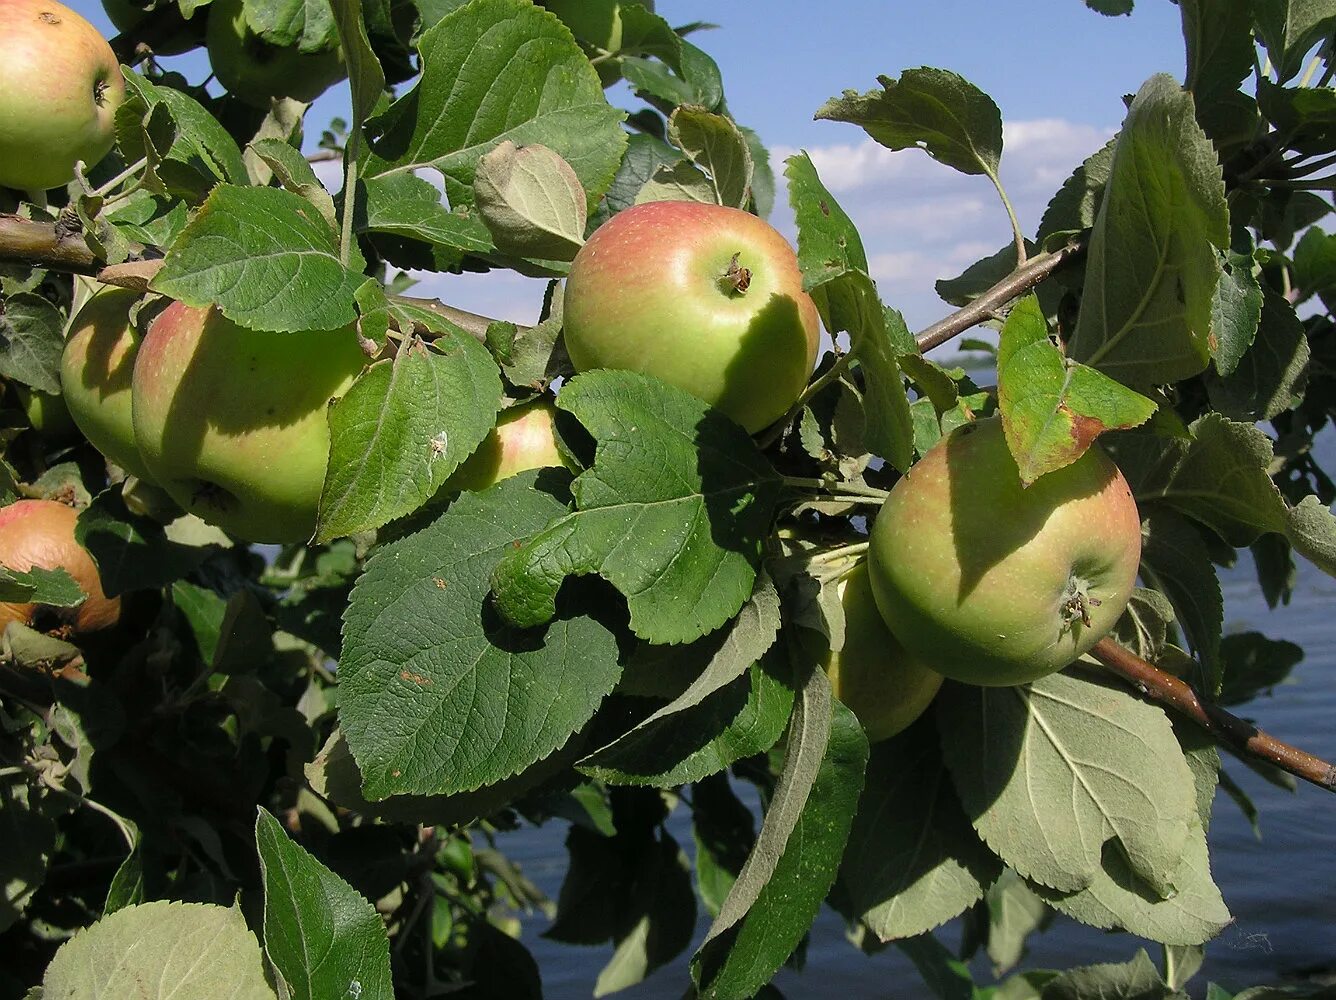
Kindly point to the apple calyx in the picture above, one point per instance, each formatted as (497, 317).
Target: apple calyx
(737, 279)
(1079, 602)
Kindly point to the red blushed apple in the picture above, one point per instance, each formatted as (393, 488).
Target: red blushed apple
(60, 86)
(707, 298)
(992, 583)
(524, 438)
(41, 533)
(232, 423)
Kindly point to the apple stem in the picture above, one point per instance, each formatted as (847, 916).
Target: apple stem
(736, 278)
(843, 490)
(842, 362)
(120, 178)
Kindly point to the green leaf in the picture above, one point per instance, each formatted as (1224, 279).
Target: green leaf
(1110, 8)
(1289, 28)
(684, 483)
(938, 111)
(946, 976)
(744, 718)
(531, 202)
(716, 145)
(1315, 265)
(1119, 898)
(139, 553)
(402, 428)
(31, 341)
(39, 585)
(1052, 771)
(409, 206)
(1176, 561)
(724, 832)
(679, 181)
(696, 80)
(160, 950)
(1053, 408)
(303, 24)
(494, 70)
(1311, 529)
(1253, 664)
(1220, 48)
(1236, 311)
(365, 76)
(912, 862)
(1271, 376)
(1014, 913)
(436, 694)
(1152, 268)
(188, 150)
(30, 839)
(828, 243)
(1218, 476)
(797, 853)
(980, 276)
(644, 156)
(1134, 980)
(732, 731)
(266, 257)
(1075, 206)
(324, 939)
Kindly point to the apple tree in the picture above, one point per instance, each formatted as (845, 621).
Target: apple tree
(316, 591)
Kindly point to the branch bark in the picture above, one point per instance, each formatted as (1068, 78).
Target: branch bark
(1230, 730)
(1015, 284)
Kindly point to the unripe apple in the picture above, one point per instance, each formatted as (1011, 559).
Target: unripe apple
(60, 86)
(524, 438)
(41, 533)
(95, 374)
(707, 298)
(255, 71)
(992, 583)
(873, 674)
(173, 34)
(47, 413)
(232, 422)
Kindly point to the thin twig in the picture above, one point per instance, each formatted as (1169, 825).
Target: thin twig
(1228, 729)
(1013, 285)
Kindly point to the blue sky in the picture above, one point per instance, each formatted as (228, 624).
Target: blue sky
(1056, 69)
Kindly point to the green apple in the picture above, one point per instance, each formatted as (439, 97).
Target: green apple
(172, 34)
(47, 413)
(232, 422)
(880, 682)
(255, 71)
(598, 23)
(992, 583)
(60, 86)
(524, 438)
(41, 533)
(95, 375)
(707, 298)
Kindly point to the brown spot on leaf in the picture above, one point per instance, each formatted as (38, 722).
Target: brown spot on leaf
(440, 584)
(418, 679)
(1084, 429)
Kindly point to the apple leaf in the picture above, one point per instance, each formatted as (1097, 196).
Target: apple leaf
(673, 513)
(294, 173)
(531, 202)
(187, 150)
(307, 26)
(1117, 897)
(912, 862)
(38, 585)
(436, 694)
(1311, 529)
(981, 276)
(30, 838)
(1053, 408)
(1235, 311)
(1075, 206)
(1152, 268)
(402, 428)
(716, 145)
(1271, 376)
(324, 939)
(834, 268)
(678, 181)
(735, 650)
(935, 110)
(1050, 772)
(1176, 561)
(266, 258)
(695, 79)
(1014, 913)
(1218, 477)
(366, 79)
(797, 854)
(494, 70)
(31, 341)
(160, 950)
(1289, 28)
(405, 205)
(1137, 979)
(743, 718)
(645, 154)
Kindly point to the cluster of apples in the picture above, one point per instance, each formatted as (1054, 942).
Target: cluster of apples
(60, 83)
(969, 575)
